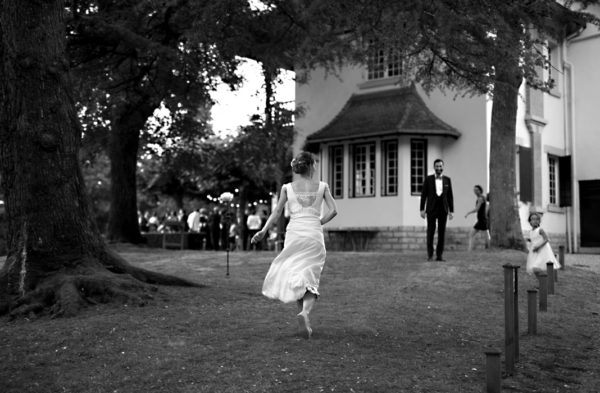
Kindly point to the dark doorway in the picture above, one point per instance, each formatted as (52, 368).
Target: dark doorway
(589, 212)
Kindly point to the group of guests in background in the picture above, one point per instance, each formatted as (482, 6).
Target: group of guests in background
(153, 222)
(220, 229)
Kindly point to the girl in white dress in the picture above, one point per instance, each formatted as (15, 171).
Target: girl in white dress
(295, 273)
(540, 251)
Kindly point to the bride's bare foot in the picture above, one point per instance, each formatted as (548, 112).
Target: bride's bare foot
(304, 324)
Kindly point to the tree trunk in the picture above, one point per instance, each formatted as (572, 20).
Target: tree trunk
(56, 256)
(505, 224)
(123, 153)
(269, 75)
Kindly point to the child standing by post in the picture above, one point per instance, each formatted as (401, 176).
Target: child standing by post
(540, 251)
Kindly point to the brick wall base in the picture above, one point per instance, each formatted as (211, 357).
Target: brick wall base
(408, 238)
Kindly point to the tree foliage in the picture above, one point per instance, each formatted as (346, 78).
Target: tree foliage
(451, 43)
(256, 160)
(57, 259)
(130, 57)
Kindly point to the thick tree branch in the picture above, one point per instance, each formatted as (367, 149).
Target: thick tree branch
(113, 34)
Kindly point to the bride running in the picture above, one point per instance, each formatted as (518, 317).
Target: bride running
(295, 273)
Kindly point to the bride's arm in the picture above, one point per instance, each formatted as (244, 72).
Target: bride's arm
(273, 217)
(331, 206)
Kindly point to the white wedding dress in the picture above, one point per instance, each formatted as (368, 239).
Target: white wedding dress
(298, 267)
(537, 260)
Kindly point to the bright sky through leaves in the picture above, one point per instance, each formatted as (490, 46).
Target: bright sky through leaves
(233, 109)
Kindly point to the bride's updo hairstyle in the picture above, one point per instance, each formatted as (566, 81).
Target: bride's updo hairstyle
(303, 163)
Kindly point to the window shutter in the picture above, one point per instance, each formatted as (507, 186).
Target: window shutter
(525, 174)
(564, 181)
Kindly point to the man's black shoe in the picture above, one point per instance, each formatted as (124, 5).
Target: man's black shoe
(440, 259)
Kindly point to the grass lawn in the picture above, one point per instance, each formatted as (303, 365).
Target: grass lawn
(385, 323)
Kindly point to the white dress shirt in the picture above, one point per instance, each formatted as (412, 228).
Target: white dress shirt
(439, 187)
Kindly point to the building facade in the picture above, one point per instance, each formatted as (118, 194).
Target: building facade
(377, 134)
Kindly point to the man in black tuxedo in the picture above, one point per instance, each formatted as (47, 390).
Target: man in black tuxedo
(437, 196)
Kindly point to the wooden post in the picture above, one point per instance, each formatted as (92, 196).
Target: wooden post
(509, 320)
(550, 272)
(532, 311)
(227, 274)
(516, 310)
(561, 257)
(492, 371)
(543, 279)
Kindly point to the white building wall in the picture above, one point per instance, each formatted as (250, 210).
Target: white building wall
(553, 143)
(467, 159)
(584, 55)
(323, 97)
(554, 131)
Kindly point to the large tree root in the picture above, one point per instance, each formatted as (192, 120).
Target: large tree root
(65, 294)
(109, 278)
(116, 264)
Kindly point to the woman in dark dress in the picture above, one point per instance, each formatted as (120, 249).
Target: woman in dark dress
(482, 223)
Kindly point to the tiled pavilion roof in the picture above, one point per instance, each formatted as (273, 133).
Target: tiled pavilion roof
(390, 112)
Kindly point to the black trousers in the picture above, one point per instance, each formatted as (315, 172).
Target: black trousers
(432, 218)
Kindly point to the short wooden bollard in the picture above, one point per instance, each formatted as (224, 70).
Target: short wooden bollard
(492, 371)
(516, 310)
(227, 274)
(550, 272)
(543, 280)
(509, 320)
(561, 257)
(532, 311)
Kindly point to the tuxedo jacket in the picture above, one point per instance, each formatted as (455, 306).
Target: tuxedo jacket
(429, 200)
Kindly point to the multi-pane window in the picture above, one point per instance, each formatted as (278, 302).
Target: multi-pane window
(383, 62)
(553, 180)
(363, 169)
(390, 168)
(394, 62)
(376, 64)
(336, 170)
(418, 164)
